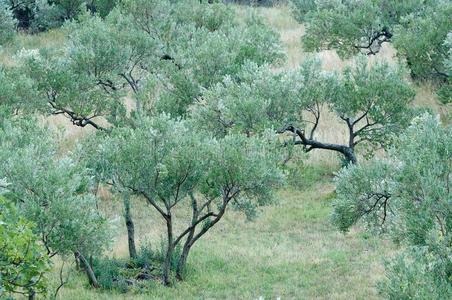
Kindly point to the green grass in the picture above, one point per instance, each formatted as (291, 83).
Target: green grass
(50, 39)
(290, 251)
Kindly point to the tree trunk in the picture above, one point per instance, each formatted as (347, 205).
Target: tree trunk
(189, 241)
(169, 252)
(311, 144)
(183, 259)
(349, 155)
(31, 295)
(89, 271)
(77, 262)
(130, 227)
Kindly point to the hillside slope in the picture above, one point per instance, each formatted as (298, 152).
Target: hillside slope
(290, 251)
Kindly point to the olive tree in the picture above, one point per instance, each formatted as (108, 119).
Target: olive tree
(421, 40)
(351, 26)
(417, 29)
(53, 192)
(171, 166)
(372, 102)
(23, 261)
(164, 53)
(407, 195)
(159, 53)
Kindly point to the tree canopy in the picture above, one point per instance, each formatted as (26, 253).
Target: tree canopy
(178, 49)
(371, 101)
(169, 165)
(417, 28)
(50, 190)
(407, 196)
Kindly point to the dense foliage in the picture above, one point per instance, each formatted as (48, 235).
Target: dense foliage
(372, 102)
(7, 24)
(417, 28)
(41, 15)
(178, 49)
(407, 195)
(170, 165)
(50, 190)
(23, 261)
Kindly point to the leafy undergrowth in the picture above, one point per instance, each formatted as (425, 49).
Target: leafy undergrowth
(290, 251)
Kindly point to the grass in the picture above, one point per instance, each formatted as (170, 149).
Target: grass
(49, 39)
(290, 251)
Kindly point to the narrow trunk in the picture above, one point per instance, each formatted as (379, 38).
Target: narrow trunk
(91, 262)
(189, 241)
(130, 227)
(169, 252)
(183, 259)
(31, 295)
(349, 152)
(77, 262)
(89, 271)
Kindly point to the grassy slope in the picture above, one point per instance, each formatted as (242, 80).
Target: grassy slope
(291, 251)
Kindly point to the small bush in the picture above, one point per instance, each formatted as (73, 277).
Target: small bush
(139, 274)
(108, 273)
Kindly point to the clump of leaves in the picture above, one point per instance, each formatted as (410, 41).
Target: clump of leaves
(23, 260)
(136, 274)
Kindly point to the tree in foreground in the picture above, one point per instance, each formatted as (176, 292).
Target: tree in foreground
(23, 261)
(407, 195)
(53, 192)
(172, 166)
(372, 102)
(175, 48)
